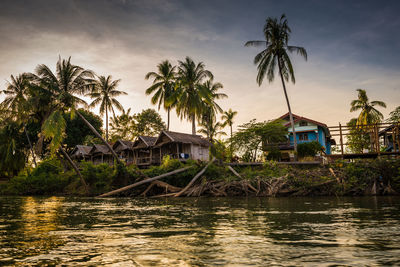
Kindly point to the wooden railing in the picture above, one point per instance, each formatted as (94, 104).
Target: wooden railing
(372, 135)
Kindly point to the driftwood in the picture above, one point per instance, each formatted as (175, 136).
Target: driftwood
(144, 181)
(166, 186)
(194, 179)
(234, 172)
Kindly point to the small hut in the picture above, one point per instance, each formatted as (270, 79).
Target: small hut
(81, 152)
(143, 151)
(101, 154)
(182, 146)
(124, 150)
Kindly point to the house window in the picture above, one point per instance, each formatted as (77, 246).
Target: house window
(303, 123)
(303, 137)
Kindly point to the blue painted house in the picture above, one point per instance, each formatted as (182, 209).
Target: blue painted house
(308, 130)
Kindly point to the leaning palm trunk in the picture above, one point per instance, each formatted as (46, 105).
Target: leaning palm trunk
(99, 136)
(168, 111)
(107, 125)
(30, 146)
(290, 110)
(65, 154)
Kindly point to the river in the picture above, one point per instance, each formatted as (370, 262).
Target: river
(199, 232)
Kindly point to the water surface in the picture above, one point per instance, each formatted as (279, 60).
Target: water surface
(200, 232)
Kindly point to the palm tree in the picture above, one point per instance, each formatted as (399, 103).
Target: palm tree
(16, 102)
(104, 93)
(63, 86)
(163, 87)
(227, 118)
(276, 53)
(368, 114)
(209, 106)
(211, 129)
(191, 94)
(122, 126)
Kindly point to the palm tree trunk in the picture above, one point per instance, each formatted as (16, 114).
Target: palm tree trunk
(106, 124)
(231, 144)
(99, 136)
(30, 145)
(65, 154)
(168, 111)
(290, 111)
(193, 124)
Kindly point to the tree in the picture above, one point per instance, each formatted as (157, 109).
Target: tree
(358, 138)
(163, 87)
(276, 53)
(148, 123)
(63, 86)
(252, 137)
(16, 102)
(77, 132)
(13, 148)
(368, 114)
(122, 126)
(104, 93)
(191, 95)
(211, 129)
(394, 116)
(227, 118)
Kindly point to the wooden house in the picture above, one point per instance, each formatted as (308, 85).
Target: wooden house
(81, 152)
(143, 151)
(124, 150)
(307, 130)
(101, 154)
(391, 138)
(182, 146)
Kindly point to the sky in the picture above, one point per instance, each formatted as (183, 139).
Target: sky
(350, 45)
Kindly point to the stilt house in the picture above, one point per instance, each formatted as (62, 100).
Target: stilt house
(124, 150)
(144, 154)
(81, 152)
(182, 146)
(101, 154)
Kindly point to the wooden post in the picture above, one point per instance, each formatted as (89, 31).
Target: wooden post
(144, 181)
(377, 140)
(393, 139)
(177, 149)
(397, 137)
(341, 139)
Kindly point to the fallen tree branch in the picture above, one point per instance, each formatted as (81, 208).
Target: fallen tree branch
(144, 181)
(194, 179)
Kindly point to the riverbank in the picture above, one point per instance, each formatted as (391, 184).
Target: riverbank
(359, 178)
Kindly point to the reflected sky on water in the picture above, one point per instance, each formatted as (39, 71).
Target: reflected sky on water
(200, 231)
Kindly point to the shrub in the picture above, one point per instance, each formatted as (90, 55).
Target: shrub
(309, 149)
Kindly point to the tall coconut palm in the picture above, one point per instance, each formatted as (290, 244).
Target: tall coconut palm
(190, 76)
(368, 114)
(64, 85)
(104, 93)
(163, 87)
(16, 102)
(211, 94)
(276, 34)
(227, 118)
(211, 129)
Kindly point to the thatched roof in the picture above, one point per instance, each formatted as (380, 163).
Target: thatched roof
(81, 151)
(100, 149)
(144, 142)
(182, 138)
(122, 145)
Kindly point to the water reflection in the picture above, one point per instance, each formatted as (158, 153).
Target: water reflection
(200, 232)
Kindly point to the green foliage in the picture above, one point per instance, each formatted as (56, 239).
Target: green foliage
(54, 130)
(309, 149)
(47, 179)
(98, 177)
(126, 126)
(394, 116)
(253, 137)
(274, 153)
(369, 114)
(13, 149)
(77, 132)
(358, 138)
(148, 122)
